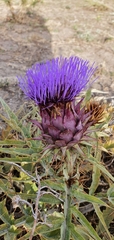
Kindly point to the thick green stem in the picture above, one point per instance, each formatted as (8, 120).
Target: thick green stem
(65, 230)
(68, 172)
(65, 233)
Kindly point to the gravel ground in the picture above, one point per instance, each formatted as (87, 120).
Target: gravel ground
(52, 28)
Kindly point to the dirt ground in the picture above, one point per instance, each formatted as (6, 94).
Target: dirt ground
(52, 28)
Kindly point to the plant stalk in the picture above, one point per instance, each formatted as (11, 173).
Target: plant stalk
(65, 230)
(67, 212)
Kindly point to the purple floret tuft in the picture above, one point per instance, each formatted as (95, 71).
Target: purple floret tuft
(58, 80)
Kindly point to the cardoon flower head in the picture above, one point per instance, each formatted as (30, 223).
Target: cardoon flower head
(53, 86)
(57, 81)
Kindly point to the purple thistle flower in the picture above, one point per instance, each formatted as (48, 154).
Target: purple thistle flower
(53, 86)
(57, 80)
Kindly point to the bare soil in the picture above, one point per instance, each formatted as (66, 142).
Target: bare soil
(52, 28)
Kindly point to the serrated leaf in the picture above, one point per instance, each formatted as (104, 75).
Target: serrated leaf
(29, 221)
(14, 122)
(82, 219)
(7, 109)
(102, 134)
(75, 234)
(88, 198)
(100, 166)
(82, 231)
(3, 229)
(108, 215)
(95, 179)
(50, 199)
(109, 145)
(44, 232)
(4, 215)
(101, 218)
(10, 236)
(13, 229)
(54, 184)
(18, 151)
(9, 142)
(79, 150)
(110, 194)
(52, 234)
(56, 219)
(3, 185)
(17, 159)
(11, 122)
(27, 196)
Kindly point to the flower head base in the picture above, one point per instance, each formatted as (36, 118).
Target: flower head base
(57, 81)
(64, 124)
(53, 86)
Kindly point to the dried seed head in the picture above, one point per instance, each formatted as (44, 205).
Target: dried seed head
(96, 111)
